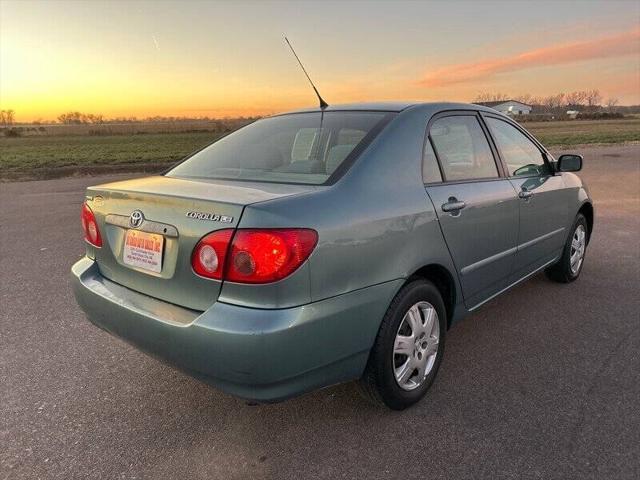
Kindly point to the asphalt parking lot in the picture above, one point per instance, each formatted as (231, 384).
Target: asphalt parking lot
(542, 382)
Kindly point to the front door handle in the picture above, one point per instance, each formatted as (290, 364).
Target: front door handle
(453, 205)
(525, 194)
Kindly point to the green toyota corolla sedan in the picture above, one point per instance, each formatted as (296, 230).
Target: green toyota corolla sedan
(330, 245)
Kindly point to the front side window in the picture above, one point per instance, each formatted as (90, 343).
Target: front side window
(522, 156)
(296, 148)
(462, 148)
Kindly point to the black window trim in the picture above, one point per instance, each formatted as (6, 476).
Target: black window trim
(544, 153)
(468, 113)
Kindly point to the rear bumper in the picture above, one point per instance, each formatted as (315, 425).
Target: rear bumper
(258, 354)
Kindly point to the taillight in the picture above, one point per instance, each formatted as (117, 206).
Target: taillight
(209, 256)
(266, 255)
(90, 226)
(255, 255)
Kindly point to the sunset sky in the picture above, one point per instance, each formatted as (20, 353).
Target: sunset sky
(202, 58)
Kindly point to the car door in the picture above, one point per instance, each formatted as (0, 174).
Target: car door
(543, 206)
(477, 208)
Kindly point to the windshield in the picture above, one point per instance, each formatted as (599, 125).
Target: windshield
(296, 148)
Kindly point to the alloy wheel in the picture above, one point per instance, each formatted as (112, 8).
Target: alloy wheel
(578, 245)
(416, 345)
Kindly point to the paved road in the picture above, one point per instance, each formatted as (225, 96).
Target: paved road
(543, 382)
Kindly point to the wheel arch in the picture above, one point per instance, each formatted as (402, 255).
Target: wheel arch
(586, 209)
(444, 282)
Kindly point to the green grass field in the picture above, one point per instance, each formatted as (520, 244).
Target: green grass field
(580, 132)
(47, 156)
(59, 151)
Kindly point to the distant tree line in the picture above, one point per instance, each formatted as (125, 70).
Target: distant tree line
(97, 124)
(79, 118)
(7, 117)
(584, 101)
(581, 100)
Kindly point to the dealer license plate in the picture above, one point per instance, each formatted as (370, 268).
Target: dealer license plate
(143, 250)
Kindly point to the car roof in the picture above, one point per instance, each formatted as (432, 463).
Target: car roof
(362, 106)
(394, 107)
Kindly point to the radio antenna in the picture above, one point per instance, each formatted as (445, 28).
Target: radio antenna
(323, 104)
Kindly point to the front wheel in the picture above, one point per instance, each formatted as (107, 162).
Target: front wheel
(409, 347)
(570, 264)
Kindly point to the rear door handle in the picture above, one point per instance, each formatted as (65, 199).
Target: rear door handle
(453, 205)
(525, 194)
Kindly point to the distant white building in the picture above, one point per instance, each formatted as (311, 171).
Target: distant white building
(509, 107)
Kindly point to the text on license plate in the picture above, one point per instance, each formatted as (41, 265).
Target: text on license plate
(143, 250)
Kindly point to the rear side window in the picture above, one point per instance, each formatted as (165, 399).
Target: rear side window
(462, 148)
(297, 148)
(522, 156)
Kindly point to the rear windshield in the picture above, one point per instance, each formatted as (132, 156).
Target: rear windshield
(296, 148)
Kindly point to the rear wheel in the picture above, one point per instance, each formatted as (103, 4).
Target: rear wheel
(408, 349)
(570, 264)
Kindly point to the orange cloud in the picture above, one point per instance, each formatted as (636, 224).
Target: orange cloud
(626, 43)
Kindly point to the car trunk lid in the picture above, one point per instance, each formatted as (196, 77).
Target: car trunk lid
(174, 213)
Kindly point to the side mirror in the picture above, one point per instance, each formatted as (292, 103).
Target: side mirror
(570, 163)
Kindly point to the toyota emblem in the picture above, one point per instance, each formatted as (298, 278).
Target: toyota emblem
(136, 219)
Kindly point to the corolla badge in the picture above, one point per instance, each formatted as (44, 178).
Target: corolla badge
(136, 218)
(210, 216)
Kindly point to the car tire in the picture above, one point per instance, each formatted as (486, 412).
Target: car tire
(385, 382)
(568, 268)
